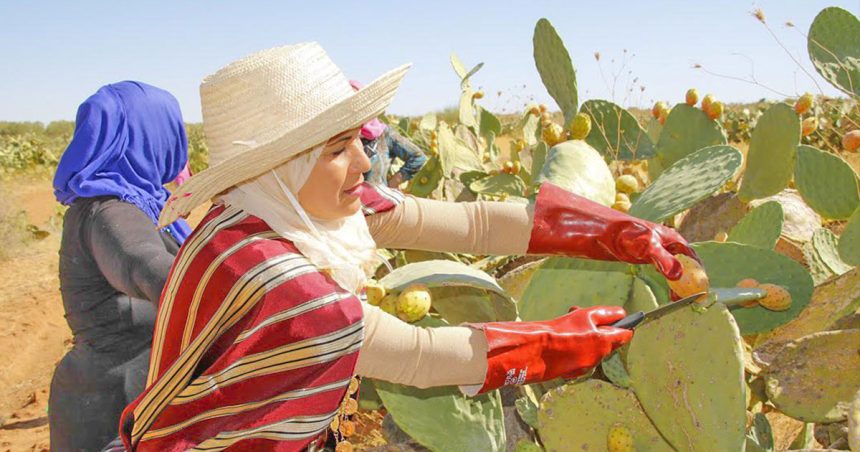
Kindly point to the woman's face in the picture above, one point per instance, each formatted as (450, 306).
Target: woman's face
(332, 191)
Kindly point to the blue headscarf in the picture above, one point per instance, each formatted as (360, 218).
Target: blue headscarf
(129, 141)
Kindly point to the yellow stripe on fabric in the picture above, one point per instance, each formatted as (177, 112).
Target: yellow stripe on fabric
(294, 428)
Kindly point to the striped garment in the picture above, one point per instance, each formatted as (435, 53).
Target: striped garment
(253, 348)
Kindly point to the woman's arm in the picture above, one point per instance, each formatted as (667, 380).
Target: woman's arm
(129, 251)
(411, 155)
(483, 227)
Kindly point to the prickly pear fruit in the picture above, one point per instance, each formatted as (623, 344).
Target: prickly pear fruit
(621, 197)
(809, 125)
(716, 110)
(344, 446)
(748, 283)
(543, 108)
(663, 115)
(516, 167)
(851, 141)
(777, 299)
(619, 439)
(627, 183)
(692, 96)
(534, 111)
(347, 428)
(693, 279)
(508, 167)
(552, 134)
(622, 203)
(478, 95)
(721, 237)
(803, 104)
(658, 108)
(580, 126)
(374, 292)
(413, 303)
(706, 103)
(520, 145)
(389, 304)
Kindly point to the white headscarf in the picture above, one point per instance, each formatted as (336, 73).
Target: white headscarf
(344, 247)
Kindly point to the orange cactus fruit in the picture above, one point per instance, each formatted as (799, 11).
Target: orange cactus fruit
(693, 280)
(803, 104)
(777, 299)
(692, 97)
(748, 283)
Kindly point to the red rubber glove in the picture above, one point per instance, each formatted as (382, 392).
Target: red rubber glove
(571, 225)
(529, 352)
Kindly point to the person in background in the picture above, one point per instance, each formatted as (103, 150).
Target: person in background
(382, 145)
(129, 141)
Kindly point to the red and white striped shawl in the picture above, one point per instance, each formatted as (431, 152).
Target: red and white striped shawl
(253, 348)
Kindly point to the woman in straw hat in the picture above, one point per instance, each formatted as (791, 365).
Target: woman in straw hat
(260, 324)
(129, 141)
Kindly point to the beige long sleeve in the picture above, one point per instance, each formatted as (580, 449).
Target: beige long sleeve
(398, 352)
(482, 227)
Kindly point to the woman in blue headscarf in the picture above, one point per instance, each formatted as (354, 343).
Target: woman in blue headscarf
(129, 141)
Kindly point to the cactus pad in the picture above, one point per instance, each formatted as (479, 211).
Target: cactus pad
(849, 242)
(687, 181)
(819, 271)
(833, 43)
(577, 167)
(772, 152)
(613, 368)
(515, 281)
(687, 369)
(825, 242)
(826, 182)
(427, 178)
(578, 416)
(455, 153)
(728, 263)
(760, 227)
(687, 129)
(800, 221)
(555, 68)
(800, 380)
(615, 133)
(489, 123)
(499, 184)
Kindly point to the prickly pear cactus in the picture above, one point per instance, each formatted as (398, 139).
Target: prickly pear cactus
(561, 282)
(849, 241)
(825, 242)
(499, 184)
(641, 297)
(819, 271)
(760, 227)
(687, 129)
(722, 262)
(834, 48)
(539, 153)
(772, 152)
(800, 380)
(830, 302)
(615, 133)
(460, 292)
(687, 370)
(800, 220)
(454, 153)
(577, 167)
(613, 368)
(555, 68)
(686, 182)
(826, 182)
(854, 423)
(515, 281)
(467, 112)
(427, 179)
(578, 416)
(489, 123)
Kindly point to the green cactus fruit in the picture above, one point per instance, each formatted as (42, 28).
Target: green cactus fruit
(613, 368)
(580, 126)
(765, 266)
(460, 292)
(454, 153)
(577, 167)
(374, 292)
(830, 301)
(696, 403)
(427, 179)
(849, 241)
(561, 282)
(800, 380)
(826, 182)
(389, 304)
(761, 227)
(499, 184)
(555, 68)
(615, 132)
(413, 303)
(825, 242)
(579, 416)
(772, 152)
(687, 181)
(626, 183)
(854, 423)
(687, 129)
(833, 49)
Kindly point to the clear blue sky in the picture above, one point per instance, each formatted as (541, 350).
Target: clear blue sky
(55, 54)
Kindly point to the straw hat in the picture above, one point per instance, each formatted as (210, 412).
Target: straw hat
(263, 109)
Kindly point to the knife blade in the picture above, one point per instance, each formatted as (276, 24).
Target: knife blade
(636, 318)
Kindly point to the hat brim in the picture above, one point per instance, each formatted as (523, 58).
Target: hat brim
(350, 113)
